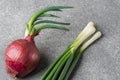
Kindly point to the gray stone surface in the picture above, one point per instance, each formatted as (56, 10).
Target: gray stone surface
(101, 61)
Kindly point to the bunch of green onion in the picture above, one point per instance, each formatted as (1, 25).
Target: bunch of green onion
(64, 65)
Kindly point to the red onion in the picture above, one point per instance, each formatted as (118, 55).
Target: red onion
(22, 55)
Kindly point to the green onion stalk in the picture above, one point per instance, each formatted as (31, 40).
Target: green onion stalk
(63, 66)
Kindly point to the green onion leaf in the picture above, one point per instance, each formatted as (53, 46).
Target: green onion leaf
(58, 65)
(49, 15)
(66, 67)
(72, 65)
(49, 21)
(52, 65)
(42, 11)
(51, 26)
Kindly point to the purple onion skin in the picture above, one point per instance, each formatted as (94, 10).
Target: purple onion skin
(21, 57)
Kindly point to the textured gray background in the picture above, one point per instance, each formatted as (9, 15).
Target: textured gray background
(101, 61)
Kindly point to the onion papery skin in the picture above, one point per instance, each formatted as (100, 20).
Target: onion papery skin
(21, 57)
